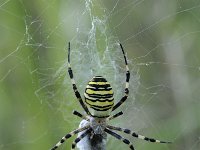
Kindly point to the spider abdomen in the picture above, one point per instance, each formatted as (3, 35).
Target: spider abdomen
(99, 97)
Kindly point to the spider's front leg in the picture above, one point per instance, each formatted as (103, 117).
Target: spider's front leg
(67, 136)
(79, 138)
(119, 137)
(127, 131)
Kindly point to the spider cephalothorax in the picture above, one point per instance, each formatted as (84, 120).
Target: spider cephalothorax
(98, 105)
(98, 125)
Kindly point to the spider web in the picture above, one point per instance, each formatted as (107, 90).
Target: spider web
(161, 42)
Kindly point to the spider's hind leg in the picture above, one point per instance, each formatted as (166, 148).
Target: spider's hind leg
(77, 94)
(126, 91)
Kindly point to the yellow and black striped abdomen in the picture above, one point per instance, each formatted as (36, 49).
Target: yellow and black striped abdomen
(99, 97)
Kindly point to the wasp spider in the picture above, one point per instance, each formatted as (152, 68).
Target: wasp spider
(98, 105)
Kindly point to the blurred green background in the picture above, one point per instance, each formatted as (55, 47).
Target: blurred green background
(161, 38)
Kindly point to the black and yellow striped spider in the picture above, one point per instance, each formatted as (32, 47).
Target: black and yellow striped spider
(98, 104)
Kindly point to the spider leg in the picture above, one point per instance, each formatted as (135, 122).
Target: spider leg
(77, 94)
(67, 136)
(78, 139)
(80, 115)
(127, 131)
(119, 137)
(123, 99)
(115, 115)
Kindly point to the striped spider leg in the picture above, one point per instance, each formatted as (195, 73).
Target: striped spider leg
(119, 137)
(126, 91)
(76, 113)
(127, 131)
(77, 94)
(69, 135)
(79, 138)
(115, 116)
